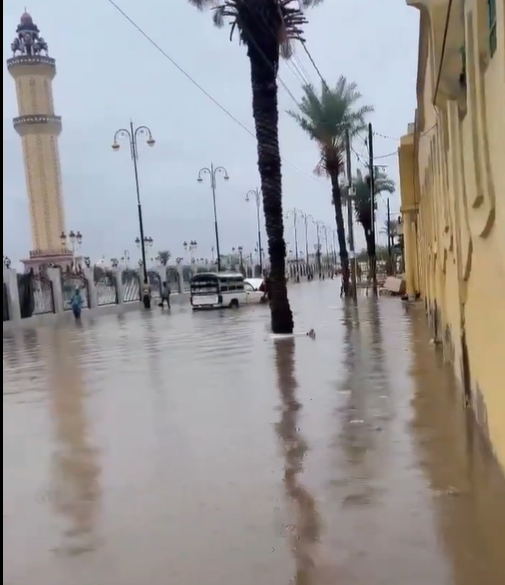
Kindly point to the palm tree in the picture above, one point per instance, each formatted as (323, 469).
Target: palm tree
(266, 27)
(390, 229)
(164, 257)
(363, 208)
(325, 118)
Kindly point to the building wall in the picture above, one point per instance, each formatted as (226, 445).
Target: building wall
(452, 169)
(43, 181)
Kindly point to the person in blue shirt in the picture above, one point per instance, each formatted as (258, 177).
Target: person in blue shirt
(76, 303)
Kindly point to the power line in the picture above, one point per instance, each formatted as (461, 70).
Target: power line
(150, 40)
(312, 60)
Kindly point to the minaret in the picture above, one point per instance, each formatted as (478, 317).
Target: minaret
(38, 126)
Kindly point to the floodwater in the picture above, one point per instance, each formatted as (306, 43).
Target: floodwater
(192, 449)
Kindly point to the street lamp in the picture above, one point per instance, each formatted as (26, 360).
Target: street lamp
(212, 172)
(256, 193)
(240, 259)
(75, 241)
(132, 134)
(325, 230)
(147, 243)
(295, 212)
(306, 218)
(318, 225)
(191, 248)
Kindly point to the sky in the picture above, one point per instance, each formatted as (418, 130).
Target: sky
(108, 73)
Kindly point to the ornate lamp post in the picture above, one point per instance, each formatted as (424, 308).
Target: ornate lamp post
(71, 242)
(255, 195)
(295, 213)
(147, 243)
(191, 248)
(212, 172)
(318, 225)
(132, 134)
(306, 218)
(241, 259)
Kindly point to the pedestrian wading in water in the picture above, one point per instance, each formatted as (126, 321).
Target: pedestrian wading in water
(165, 295)
(76, 303)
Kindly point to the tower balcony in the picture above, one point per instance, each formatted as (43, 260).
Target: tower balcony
(37, 124)
(31, 65)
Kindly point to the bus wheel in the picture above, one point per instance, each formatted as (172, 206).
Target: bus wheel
(234, 304)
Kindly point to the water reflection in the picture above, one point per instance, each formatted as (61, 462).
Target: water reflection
(365, 398)
(304, 530)
(468, 492)
(75, 469)
(181, 407)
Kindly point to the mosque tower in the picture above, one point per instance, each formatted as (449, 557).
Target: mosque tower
(39, 127)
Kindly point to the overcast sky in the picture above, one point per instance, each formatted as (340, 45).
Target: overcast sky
(107, 73)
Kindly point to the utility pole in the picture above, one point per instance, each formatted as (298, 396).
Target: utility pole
(350, 226)
(390, 259)
(373, 260)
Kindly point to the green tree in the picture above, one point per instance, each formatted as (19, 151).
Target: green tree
(390, 229)
(325, 116)
(266, 28)
(164, 257)
(363, 207)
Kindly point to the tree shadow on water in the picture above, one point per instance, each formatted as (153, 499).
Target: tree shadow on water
(305, 529)
(363, 409)
(76, 471)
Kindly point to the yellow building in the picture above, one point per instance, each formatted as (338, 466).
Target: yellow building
(452, 174)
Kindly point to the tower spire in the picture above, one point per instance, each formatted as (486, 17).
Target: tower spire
(28, 40)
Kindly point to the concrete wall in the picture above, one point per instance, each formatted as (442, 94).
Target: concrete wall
(453, 199)
(119, 303)
(57, 311)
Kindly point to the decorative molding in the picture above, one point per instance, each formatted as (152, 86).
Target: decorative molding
(30, 60)
(36, 119)
(30, 188)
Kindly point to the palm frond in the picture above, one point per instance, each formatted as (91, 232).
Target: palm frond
(202, 4)
(325, 114)
(362, 202)
(259, 22)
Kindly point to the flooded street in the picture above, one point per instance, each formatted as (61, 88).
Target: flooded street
(193, 449)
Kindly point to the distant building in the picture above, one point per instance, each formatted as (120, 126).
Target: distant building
(452, 170)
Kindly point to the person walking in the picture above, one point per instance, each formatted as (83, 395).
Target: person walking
(76, 303)
(165, 295)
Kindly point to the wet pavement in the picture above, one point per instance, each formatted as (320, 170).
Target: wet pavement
(192, 449)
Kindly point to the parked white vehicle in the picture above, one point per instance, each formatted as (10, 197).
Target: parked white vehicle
(216, 290)
(253, 293)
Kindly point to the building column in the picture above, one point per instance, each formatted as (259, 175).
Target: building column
(54, 275)
(11, 283)
(92, 292)
(410, 251)
(118, 275)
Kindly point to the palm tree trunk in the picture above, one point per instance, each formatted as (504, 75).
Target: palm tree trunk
(266, 117)
(366, 224)
(372, 256)
(342, 244)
